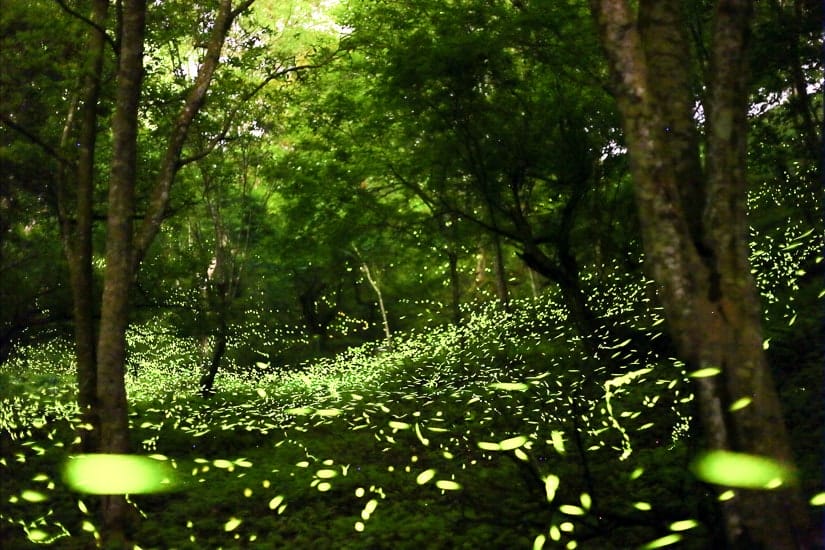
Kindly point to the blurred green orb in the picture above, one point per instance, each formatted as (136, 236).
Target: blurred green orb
(117, 474)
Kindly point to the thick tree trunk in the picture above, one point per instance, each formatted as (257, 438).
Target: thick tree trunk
(695, 237)
(111, 392)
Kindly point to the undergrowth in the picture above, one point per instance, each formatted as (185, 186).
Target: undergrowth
(501, 433)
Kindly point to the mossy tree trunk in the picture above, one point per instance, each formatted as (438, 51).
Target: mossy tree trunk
(695, 236)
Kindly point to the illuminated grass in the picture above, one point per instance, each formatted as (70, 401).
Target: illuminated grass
(481, 435)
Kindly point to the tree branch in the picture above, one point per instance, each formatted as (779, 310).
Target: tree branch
(48, 149)
(89, 22)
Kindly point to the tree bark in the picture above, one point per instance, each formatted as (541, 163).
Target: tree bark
(102, 395)
(502, 288)
(194, 101)
(455, 287)
(695, 238)
(207, 381)
(111, 392)
(448, 225)
(365, 269)
(77, 240)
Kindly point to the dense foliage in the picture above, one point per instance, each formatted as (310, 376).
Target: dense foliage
(398, 297)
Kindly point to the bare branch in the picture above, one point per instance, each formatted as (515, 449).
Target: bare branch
(240, 9)
(31, 136)
(89, 22)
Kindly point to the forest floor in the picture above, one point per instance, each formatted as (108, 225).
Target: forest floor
(497, 435)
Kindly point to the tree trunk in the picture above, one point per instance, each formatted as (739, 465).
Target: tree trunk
(801, 102)
(74, 211)
(207, 381)
(579, 312)
(502, 289)
(448, 224)
(111, 392)
(194, 101)
(78, 242)
(455, 287)
(102, 395)
(365, 269)
(695, 237)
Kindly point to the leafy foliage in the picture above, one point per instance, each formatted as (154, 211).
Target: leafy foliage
(413, 138)
(499, 430)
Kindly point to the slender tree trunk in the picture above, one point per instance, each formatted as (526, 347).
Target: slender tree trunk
(207, 381)
(455, 287)
(449, 229)
(170, 165)
(111, 392)
(695, 237)
(74, 193)
(533, 286)
(78, 243)
(801, 101)
(377, 289)
(502, 288)
(374, 284)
